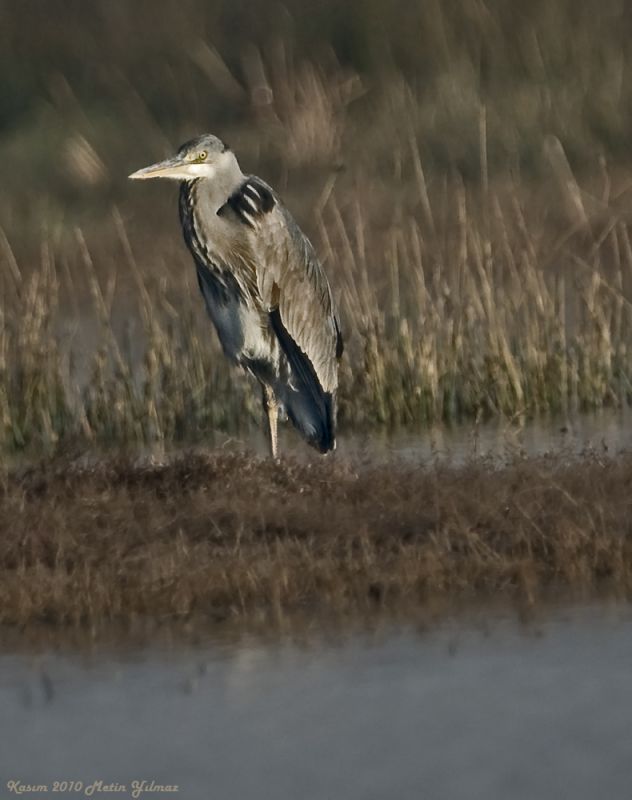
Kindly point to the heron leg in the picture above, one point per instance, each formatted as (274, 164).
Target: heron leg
(271, 408)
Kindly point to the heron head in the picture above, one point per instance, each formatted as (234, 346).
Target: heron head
(199, 158)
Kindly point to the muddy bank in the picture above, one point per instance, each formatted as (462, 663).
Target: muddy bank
(225, 536)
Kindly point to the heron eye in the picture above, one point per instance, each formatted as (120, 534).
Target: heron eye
(202, 155)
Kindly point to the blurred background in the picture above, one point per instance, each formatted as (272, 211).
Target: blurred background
(463, 170)
(299, 90)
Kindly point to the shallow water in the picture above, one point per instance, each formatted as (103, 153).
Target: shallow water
(606, 432)
(461, 710)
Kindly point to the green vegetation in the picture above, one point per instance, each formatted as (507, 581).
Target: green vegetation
(461, 168)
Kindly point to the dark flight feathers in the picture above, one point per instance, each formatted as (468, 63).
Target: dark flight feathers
(308, 406)
(295, 292)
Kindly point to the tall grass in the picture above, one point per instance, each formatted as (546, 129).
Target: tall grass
(468, 198)
(467, 307)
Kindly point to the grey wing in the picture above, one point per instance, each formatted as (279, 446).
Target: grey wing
(292, 284)
(292, 288)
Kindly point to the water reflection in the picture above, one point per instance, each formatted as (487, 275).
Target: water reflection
(606, 432)
(461, 711)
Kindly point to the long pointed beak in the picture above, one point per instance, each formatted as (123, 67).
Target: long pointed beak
(169, 168)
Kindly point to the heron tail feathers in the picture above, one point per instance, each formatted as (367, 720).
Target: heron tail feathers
(316, 423)
(311, 409)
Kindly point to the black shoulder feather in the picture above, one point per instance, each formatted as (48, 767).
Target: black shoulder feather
(251, 201)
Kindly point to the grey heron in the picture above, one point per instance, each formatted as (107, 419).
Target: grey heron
(264, 288)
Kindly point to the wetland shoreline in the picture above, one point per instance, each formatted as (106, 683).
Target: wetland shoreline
(228, 536)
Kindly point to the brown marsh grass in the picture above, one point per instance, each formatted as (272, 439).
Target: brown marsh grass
(226, 536)
(463, 173)
(468, 306)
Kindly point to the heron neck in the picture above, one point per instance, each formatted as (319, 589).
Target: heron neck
(227, 179)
